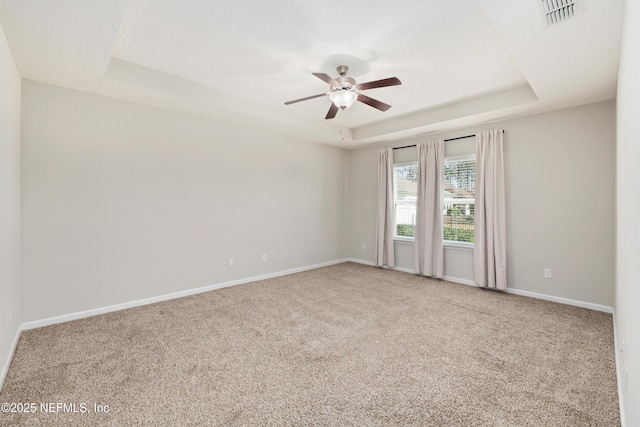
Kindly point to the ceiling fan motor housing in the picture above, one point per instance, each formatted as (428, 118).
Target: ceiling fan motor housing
(346, 81)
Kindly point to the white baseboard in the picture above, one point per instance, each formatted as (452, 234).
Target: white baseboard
(361, 261)
(461, 281)
(12, 350)
(145, 301)
(589, 305)
(619, 372)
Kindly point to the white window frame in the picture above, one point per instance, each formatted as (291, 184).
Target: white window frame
(446, 243)
(454, 243)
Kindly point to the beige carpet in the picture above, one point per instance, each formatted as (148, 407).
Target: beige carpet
(347, 345)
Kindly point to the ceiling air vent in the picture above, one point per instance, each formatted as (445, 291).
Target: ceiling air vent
(558, 11)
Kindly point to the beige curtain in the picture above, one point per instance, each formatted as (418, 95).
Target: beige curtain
(384, 220)
(490, 246)
(428, 250)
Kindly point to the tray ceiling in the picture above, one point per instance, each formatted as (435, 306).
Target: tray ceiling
(460, 62)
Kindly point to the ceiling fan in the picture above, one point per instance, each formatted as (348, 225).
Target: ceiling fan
(344, 91)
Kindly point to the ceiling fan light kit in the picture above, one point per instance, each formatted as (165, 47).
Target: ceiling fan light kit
(343, 98)
(344, 91)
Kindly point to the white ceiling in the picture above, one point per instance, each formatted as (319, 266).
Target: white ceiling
(460, 61)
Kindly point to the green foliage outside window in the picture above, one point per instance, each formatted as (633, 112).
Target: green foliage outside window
(458, 234)
(405, 230)
(452, 234)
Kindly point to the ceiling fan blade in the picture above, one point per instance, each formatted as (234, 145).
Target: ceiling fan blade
(373, 102)
(332, 111)
(304, 99)
(326, 78)
(391, 81)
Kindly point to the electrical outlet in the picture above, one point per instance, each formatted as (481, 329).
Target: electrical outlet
(547, 273)
(264, 257)
(364, 247)
(230, 262)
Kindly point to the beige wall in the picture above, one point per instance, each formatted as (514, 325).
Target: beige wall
(123, 202)
(9, 203)
(628, 214)
(560, 203)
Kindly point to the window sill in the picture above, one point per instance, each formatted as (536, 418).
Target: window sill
(448, 244)
(463, 246)
(404, 240)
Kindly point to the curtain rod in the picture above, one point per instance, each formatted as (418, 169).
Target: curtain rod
(446, 140)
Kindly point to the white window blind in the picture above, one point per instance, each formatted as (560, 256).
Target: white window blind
(459, 198)
(405, 190)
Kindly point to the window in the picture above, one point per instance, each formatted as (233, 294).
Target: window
(405, 190)
(459, 199)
